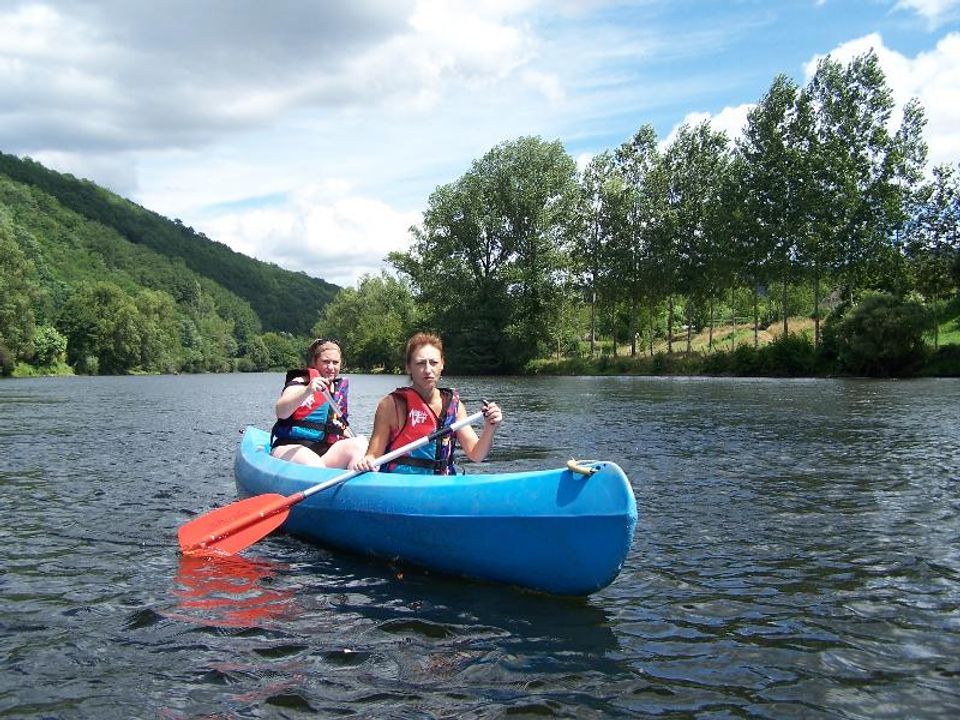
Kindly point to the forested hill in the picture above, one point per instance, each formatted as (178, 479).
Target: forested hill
(283, 301)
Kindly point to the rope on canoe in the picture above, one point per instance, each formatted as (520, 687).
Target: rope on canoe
(582, 467)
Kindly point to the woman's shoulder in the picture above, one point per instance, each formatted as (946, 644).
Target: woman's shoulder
(392, 407)
(390, 400)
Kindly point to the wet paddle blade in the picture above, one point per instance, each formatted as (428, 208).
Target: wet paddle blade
(230, 529)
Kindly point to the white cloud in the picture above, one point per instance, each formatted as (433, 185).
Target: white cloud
(936, 12)
(323, 230)
(112, 170)
(730, 120)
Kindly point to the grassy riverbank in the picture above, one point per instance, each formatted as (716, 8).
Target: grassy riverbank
(23, 370)
(735, 351)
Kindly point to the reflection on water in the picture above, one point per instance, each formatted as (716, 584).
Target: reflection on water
(230, 592)
(797, 555)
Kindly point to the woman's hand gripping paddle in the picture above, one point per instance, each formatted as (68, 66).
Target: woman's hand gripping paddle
(337, 412)
(230, 529)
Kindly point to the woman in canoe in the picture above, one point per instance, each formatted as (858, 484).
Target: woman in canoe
(312, 427)
(410, 413)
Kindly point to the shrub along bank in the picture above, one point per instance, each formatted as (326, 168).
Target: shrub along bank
(883, 336)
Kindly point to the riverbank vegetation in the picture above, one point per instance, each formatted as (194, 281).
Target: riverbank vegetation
(903, 347)
(824, 209)
(819, 242)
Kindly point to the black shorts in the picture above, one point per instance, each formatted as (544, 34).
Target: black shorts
(320, 448)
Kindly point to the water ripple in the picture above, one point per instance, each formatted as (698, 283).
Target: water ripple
(797, 556)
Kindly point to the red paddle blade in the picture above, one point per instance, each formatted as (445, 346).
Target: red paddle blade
(230, 529)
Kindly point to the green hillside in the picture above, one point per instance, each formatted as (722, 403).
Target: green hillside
(282, 300)
(90, 282)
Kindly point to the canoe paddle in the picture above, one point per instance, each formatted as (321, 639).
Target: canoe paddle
(337, 412)
(230, 529)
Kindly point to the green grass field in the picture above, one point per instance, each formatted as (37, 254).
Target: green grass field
(949, 332)
(725, 339)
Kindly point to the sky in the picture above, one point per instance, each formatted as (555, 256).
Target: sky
(311, 134)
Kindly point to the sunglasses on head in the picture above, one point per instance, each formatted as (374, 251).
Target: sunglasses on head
(319, 343)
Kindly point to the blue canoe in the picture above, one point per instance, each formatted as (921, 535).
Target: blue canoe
(555, 531)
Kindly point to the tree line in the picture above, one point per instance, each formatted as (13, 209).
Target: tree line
(823, 200)
(824, 207)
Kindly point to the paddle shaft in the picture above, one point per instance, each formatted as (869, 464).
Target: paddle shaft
(394, 454)
(338, 413)
(281, 504)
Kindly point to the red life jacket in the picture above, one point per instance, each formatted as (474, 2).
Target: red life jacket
(312, 422)
(435, 457)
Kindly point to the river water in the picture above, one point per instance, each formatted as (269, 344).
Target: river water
(797, 556)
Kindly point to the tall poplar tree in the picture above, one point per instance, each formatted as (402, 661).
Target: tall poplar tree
(633, 265)
(772, 176)
(600, 187)
(695, 164)
(860, 171)
(933, 239)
